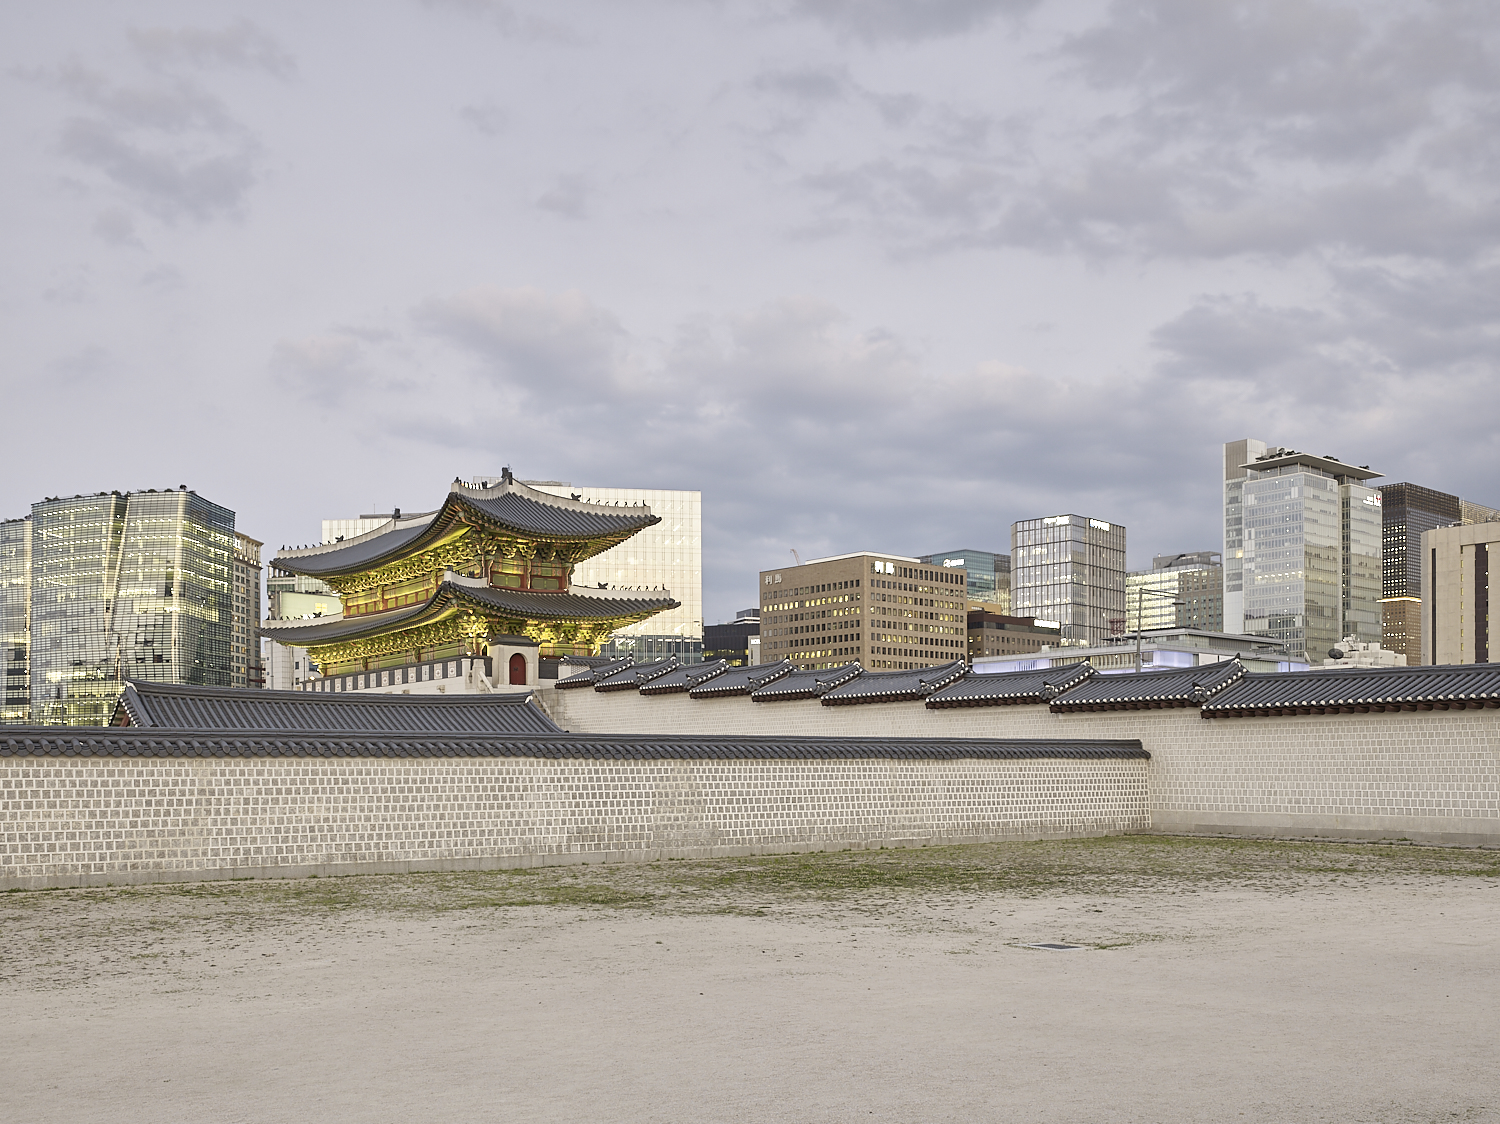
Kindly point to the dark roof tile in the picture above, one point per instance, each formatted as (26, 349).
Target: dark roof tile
(632, 676)
(741, 680)
(1009, 688)
(1346, 690)
(893, 686)
(169, 707)
(806, 684)
(1150, 690)
(685, 678)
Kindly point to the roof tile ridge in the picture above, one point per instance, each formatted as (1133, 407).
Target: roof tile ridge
(525, 491)
(386, 528)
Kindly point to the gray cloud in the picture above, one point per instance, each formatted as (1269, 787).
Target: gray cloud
(117, 228)
(487, 117)
(876, 21)
(167, 145)
(510, 20)
(568, 197)
(242, 45)
(1296, 127)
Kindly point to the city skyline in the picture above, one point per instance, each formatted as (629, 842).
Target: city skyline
(981, 252)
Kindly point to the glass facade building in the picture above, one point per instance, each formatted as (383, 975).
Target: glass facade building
(1311, 553)
(126, 586)
(988, 574)
(1070, 569)
(15, 619)
(1194, 580)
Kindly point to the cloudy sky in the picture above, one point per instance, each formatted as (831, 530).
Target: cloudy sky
(872, 274)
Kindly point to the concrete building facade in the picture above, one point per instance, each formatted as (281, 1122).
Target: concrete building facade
(1458, 574)
(246, 668)
(884, 610)
(1188, 593)
(998, 634)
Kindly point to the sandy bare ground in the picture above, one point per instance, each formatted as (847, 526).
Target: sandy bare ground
(1217, 981)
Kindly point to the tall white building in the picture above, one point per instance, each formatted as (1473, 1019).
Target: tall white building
(667, 556)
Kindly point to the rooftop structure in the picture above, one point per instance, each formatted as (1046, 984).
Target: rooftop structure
(490, 563)
(1167, 647)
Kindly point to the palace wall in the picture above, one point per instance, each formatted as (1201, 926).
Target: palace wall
(112, 820)
(1431, 776)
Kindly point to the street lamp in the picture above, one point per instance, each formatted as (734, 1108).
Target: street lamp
(1140, 593)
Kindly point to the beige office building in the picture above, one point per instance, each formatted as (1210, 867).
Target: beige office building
(1457, 565)
(884, 610)
(245, 666)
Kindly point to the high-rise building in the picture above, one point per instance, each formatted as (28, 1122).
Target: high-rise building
(989, 575)
(15, 619)
(337, 530)
(126, 586)
(1461, 566)
(1070, 569)
(1308, 539)
(1237, 454)
(246, 668)
(885, 610)
(1408, 511)
(1188, 588)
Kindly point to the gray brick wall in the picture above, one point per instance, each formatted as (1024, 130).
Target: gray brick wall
(69, 821)
(1430, 775)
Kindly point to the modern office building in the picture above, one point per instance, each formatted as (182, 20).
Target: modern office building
(1461, 565)
(997, 634)
(1409, 511)
(731, 641)
(1303, 541)
(246, 668)
(1179, 591)
(1237, 454)
(1071, 569)
(15, 619)
(135, 585)
(884, 610)
(989, 575)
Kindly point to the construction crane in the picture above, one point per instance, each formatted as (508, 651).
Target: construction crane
(797, 556)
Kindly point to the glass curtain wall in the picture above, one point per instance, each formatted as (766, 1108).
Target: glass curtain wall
(1070, 569)
(75, 555)
(174, 613)
(1361, 532)
(15, 620)
(1293, 570)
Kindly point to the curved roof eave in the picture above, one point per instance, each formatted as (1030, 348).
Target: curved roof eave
(509, 506)
(452, 597)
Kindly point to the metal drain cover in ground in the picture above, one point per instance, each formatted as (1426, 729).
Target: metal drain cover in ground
(1053, 947)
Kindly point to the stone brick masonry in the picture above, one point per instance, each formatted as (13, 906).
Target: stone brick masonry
(1432, 776)
(93, 820)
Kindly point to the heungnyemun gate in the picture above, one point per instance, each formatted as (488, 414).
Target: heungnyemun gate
(488, 574)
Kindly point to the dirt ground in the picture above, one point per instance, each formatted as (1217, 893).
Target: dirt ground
(1215, 980)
